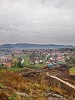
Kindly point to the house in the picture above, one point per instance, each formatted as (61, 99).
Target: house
(7, 65)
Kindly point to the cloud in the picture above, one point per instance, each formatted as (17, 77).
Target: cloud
(37, 21)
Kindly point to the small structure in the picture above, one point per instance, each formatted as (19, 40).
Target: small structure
(50, 65)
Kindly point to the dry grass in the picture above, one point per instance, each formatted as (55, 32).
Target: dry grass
(35, 87)
(16, 83)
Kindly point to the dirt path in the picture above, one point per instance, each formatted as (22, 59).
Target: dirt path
(64, 82)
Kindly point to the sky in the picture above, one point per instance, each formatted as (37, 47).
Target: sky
(37, 21)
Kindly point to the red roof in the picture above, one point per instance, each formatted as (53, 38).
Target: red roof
(7, 64)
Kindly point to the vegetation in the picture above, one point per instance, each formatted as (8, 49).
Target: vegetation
(15, 87)
(15, 69)
(29, 61)
(11, 83)
(72, 71)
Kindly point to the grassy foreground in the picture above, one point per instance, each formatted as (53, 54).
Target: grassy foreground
(14, 87)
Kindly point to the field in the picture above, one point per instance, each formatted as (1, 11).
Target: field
(72, 71)
(16, 69)
(14, 86)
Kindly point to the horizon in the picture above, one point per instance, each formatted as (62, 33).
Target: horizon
(37, 44)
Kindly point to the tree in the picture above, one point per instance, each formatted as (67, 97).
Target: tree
(14, 63)
(33, 57)
(19, 64)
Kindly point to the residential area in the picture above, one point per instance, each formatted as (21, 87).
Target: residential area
(35, 57)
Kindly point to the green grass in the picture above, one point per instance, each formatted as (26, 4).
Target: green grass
(2, 86)
(16, 69)
(34, 67)
(72, 69)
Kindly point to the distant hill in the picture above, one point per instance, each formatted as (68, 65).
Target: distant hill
(34, 46)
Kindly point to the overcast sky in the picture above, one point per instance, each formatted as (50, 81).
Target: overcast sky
(37, 21)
